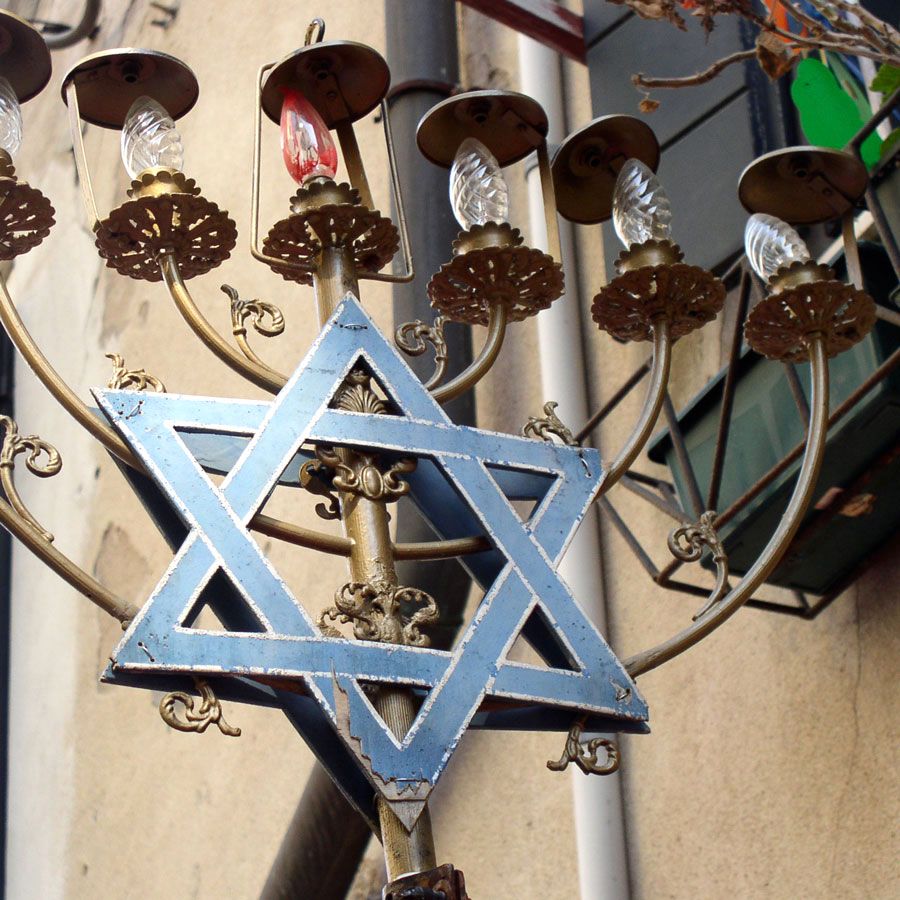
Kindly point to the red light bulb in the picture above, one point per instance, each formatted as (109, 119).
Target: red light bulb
(306, 143)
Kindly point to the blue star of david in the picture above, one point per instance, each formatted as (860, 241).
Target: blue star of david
(279, 640)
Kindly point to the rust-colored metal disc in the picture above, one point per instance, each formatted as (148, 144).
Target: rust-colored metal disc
(135, 235)
(687, 296)
(342, 79)
(329, 215)
(110, 81)
(510, 125)
(24, 56)
(803, 185)
(587, 164)
(780, 326)
(27, 219)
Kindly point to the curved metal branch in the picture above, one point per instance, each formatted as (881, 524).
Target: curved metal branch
(23, 531)
(14, 444)
(470, 376)
(82, 413)
(687, 543)
(413, 339)
(70, 36)
(778, 543)
(656, 392)
(256, 312)
(256, 372)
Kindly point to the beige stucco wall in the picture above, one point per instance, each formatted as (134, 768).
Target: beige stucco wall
(772, 767)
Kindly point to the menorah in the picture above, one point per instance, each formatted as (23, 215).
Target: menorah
(382, 709)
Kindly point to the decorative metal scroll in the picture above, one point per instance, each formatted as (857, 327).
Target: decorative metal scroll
(281, 641)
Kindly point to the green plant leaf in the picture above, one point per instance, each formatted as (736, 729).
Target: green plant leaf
(886, 81)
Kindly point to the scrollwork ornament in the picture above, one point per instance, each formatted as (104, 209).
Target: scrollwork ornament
(585, 753)
(124, 378)
(15, 444)
(208, 713)
(356, 395)
(266, 318)
(548, 426)
(687, 544)
(376, 611)
(414, 338)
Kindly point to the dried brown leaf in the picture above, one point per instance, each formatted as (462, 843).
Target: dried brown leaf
(648, 106)
(775, 58)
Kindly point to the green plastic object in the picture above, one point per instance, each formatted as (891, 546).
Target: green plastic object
(828, 116)
(765, 426)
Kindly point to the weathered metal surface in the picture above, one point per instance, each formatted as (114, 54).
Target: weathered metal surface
(280, 640)
(442, 883)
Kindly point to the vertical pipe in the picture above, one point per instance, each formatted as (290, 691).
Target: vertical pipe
(599, 822)
(424, 69)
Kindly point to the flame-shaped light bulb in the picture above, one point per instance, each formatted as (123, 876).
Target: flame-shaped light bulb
(478, 190)
(306, 143)
(150, 138)
(10, 119)
(772, 244)
(641, 210)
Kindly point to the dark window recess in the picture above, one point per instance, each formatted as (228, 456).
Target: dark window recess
(709, 133)
(856, 507)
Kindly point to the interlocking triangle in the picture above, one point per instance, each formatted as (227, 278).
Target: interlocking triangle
(460, 459)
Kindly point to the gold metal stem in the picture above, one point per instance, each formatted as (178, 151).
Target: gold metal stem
(404, 851)
(333, 279)
(656, 391)
(261, 375)
(778, 543)
(64, 567)
(81, 165)
(470, 376)
(366, 524)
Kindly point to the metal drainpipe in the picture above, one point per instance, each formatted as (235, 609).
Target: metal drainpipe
(422, 50)
(326, 839)
(599, 819)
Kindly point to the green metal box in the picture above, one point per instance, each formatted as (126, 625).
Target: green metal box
(862, 463)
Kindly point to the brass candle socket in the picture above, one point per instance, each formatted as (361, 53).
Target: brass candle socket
(653, 283)
(166, 216)
(807, 299)
(490, 267)
(325, 214)
(27, 213)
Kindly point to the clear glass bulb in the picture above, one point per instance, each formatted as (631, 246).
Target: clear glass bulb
(478, 190)
(306, 143)
(10, 119)
(641, 210)
(772, 244)
(150, 138)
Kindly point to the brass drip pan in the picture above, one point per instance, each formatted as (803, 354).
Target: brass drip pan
(490, 265)
(780, 326)
(326, 214)
(161, 219)
(27, 215)
(654, 284)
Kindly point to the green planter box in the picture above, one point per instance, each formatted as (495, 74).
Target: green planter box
(765, 426)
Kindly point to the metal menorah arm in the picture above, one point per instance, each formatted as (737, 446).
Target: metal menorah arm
(64, 567)
(55, 384)
(85, 416)
(254, 371)
(656, 392)
(482, 364)
(778, 544)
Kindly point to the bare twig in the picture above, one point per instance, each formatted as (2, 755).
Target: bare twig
(643, 81)
(850, 30)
